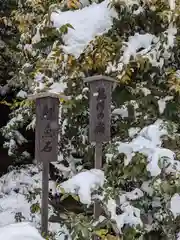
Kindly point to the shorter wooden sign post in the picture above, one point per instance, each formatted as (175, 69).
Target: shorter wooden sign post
(100, 118)
(46, 144)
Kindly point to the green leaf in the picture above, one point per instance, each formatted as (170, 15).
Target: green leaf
(69, 25)
(101, 232)
(76, 197)
(64, 28)
(64, 196)
(62, 190)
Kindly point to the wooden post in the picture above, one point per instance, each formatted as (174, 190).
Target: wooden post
(98, 165)
(99, 119)
(45, 198)
(46, 144)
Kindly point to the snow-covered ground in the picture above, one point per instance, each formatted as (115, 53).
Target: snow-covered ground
(19, 231)
(20, 190)
(16, 202)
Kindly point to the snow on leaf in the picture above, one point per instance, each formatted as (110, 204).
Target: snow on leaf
(135, 43)
(148, 142)
(57, 87)
(123, 112)
(172, 4)
(39, 77)
(84, 183)
(162, 103)
(133, 131)
(178, 236)
(147, 46)
(85, 27)
(171, 35)
(175, 205)
(21, 94)
(135, 194)
(37, 36)
(130, 215)
(147, 188)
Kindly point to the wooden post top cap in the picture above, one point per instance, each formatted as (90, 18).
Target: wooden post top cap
(99, 77)
(46, 94)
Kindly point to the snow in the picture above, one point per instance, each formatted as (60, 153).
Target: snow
(84, 183)
(19, 231)
(32, 124)
(146, 91)
(11, 122)
(147, 46)
(135, 43)
(113, 68)
(19, 137)
(178, 236)
(109, 157)
(171, 35)
(37, 36)
(85, 27)
(20, 205)
(148, 142)
(21, 94)
(123, 112)
(4, 90)
(111, 206)
(135, 194)
(130, 215)
(65, 171)
(85, 3)
(39, 77)
(28, 47)
(162, 103)
(138, 11)
(172, 4)
(133, 131)
(15, 188)
(54, 87)
(147, 188)
(178, 74)
(57, 87)
(175, 205)
(11, 145)
(2, 44)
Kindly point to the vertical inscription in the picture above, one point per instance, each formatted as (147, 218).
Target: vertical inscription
(101, 96)
(100, 106)
(47, 129)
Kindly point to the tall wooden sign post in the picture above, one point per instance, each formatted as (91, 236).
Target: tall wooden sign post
(46, 144)
(100, 118)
